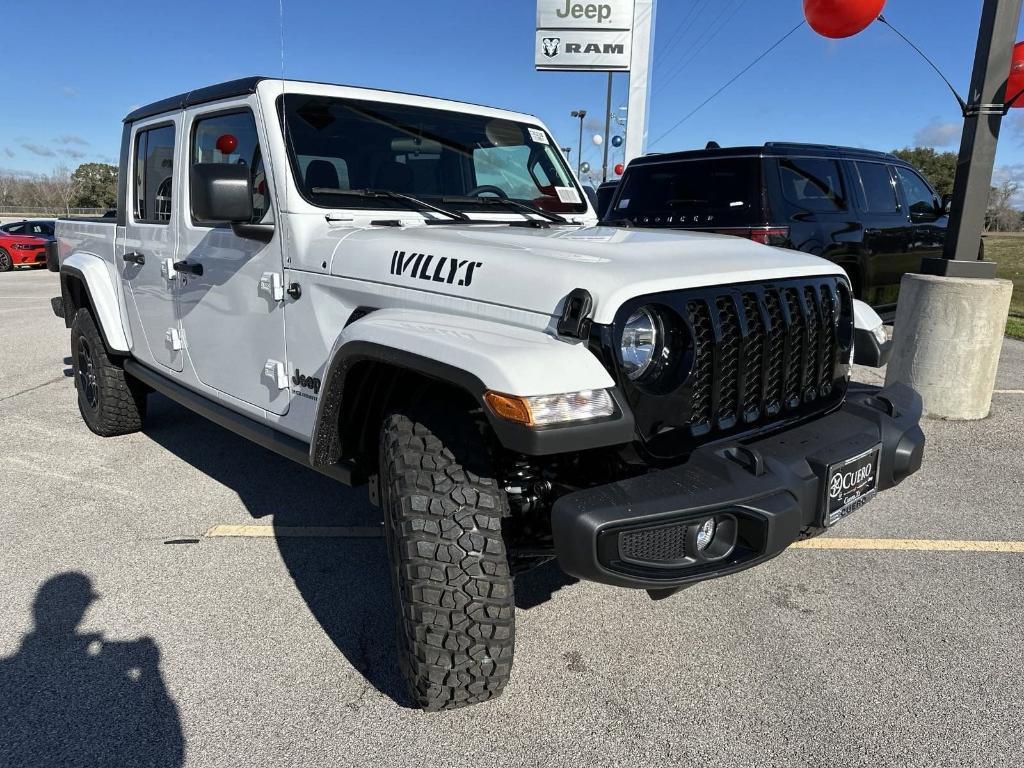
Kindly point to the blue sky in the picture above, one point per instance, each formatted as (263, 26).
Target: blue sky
(79, 69)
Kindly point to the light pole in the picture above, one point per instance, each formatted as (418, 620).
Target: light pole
(580, 113)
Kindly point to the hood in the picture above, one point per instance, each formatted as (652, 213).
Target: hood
(534, 269)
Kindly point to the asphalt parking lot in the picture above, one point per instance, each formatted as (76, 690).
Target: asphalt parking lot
(277, 650)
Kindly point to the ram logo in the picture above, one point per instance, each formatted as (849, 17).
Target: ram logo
(551, 46)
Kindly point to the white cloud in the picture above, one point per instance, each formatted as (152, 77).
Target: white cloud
(938, 134)
(71, 138)
(68, 91)
(38, 149)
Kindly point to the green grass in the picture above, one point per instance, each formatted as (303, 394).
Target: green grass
(1007, 251)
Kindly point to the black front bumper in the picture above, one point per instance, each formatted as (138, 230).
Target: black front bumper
(770, 490)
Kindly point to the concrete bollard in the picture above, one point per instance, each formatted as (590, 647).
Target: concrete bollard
(946, 342)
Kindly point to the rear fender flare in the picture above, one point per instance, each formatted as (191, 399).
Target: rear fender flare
(92, 273)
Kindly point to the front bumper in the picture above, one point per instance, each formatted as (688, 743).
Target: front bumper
(771, 488)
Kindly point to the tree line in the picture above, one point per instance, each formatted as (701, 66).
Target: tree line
(90, 185)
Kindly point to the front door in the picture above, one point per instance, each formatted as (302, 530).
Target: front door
(232, 297)
(151, 232)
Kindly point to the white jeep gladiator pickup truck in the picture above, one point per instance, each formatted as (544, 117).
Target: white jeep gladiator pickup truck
(416, 294)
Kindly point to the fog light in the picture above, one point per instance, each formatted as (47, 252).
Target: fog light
(705, 534)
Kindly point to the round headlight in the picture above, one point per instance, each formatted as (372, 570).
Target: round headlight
(639, 342)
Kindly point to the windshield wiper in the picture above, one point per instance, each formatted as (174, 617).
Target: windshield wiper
(414, 203)
(510, 203)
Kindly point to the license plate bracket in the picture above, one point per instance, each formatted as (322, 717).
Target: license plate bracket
(849, 485)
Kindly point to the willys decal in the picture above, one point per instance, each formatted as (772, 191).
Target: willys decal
(426, 266)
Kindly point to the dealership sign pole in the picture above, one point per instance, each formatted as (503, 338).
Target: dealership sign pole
(603, 36)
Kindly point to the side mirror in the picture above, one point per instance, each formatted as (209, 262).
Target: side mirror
(947, 204)
(221, 193)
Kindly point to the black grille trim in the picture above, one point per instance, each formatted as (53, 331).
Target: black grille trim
(760, 355)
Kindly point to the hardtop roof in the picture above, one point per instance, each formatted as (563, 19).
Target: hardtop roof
(769, 149)
(247, 85)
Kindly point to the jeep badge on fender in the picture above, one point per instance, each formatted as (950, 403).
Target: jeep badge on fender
(517, 385)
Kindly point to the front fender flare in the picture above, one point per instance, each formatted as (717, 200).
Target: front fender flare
(91, 271)
(474, 355)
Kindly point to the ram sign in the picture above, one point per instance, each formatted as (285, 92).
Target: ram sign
(585, 36)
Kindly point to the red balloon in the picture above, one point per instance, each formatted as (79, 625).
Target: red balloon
(841, 18)
(1015, 82)
(227, 144)
(619, 168)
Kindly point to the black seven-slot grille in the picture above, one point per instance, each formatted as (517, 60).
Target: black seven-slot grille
(757, 354)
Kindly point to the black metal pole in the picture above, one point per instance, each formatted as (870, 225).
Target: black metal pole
(580, 113)
(982, 117)
(608, 128)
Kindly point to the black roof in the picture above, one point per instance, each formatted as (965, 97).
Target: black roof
(241, 87)
(769, 149)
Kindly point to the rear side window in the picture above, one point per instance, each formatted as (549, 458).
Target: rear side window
(720, 192)
(920, 198)
(879, 190)
(15, 229)
(154, 174)
(231, 138)
(814, 184)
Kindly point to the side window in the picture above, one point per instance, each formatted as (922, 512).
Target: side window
(813, 183)
(154, 174)
(231, 138)
(15, 229)
(879, 192)
(920, 199)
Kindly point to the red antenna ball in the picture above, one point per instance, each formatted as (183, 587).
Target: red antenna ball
(1015, 83)
(619, 168)
(226, 144)
(841, 18)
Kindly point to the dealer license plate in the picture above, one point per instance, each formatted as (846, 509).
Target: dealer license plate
(851, 484)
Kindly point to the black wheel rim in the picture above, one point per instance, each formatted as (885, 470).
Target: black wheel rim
(86, 373)
(5, 261)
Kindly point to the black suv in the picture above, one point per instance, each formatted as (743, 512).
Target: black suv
(869, 212)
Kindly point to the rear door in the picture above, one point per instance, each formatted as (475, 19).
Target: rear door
(232, 312)
(927, 218)
(151, 234)
(886, 235)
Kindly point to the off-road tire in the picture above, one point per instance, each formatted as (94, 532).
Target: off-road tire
(110, 401)
(452, 587)
(6, 262)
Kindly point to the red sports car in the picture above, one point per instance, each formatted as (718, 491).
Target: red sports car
(17, 250)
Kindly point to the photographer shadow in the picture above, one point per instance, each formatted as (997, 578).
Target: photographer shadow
(68, 698)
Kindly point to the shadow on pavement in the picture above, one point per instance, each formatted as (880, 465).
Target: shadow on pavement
(68, 698)
(344, 582)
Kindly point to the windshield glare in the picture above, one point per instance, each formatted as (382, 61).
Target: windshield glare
(437, 155)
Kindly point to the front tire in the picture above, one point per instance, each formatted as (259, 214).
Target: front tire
(6, 262)
(452, 586)
(110, 401)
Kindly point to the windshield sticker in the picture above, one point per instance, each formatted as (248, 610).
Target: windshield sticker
(538, 136)
(442, 270)
(567, 194)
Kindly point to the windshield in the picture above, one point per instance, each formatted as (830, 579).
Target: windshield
(713, 192)
(446, 158)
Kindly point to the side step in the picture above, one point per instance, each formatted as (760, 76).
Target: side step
(251, 430)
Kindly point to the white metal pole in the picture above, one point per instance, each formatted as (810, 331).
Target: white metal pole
(640, 78)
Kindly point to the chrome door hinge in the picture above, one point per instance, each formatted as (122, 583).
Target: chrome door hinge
(270, 284)
(173, 338)
(274, 370)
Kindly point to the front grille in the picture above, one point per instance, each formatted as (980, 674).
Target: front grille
(758, 354)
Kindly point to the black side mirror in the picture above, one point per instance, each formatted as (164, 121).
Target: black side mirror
(221, 193)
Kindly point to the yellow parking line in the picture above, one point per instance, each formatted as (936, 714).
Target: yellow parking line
(917, 545)
(307, 532)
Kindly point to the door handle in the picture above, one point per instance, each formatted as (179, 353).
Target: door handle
(184, 266)
(135, 258)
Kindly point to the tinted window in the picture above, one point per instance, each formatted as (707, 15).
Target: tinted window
(721, 192)
(879, 192)
(15, 229)
(154, 174)
(813, 184)
(920, 198)
(231, 138)
(40, 228)
(340, 145)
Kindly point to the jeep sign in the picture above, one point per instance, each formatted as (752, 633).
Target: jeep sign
(584, 35)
